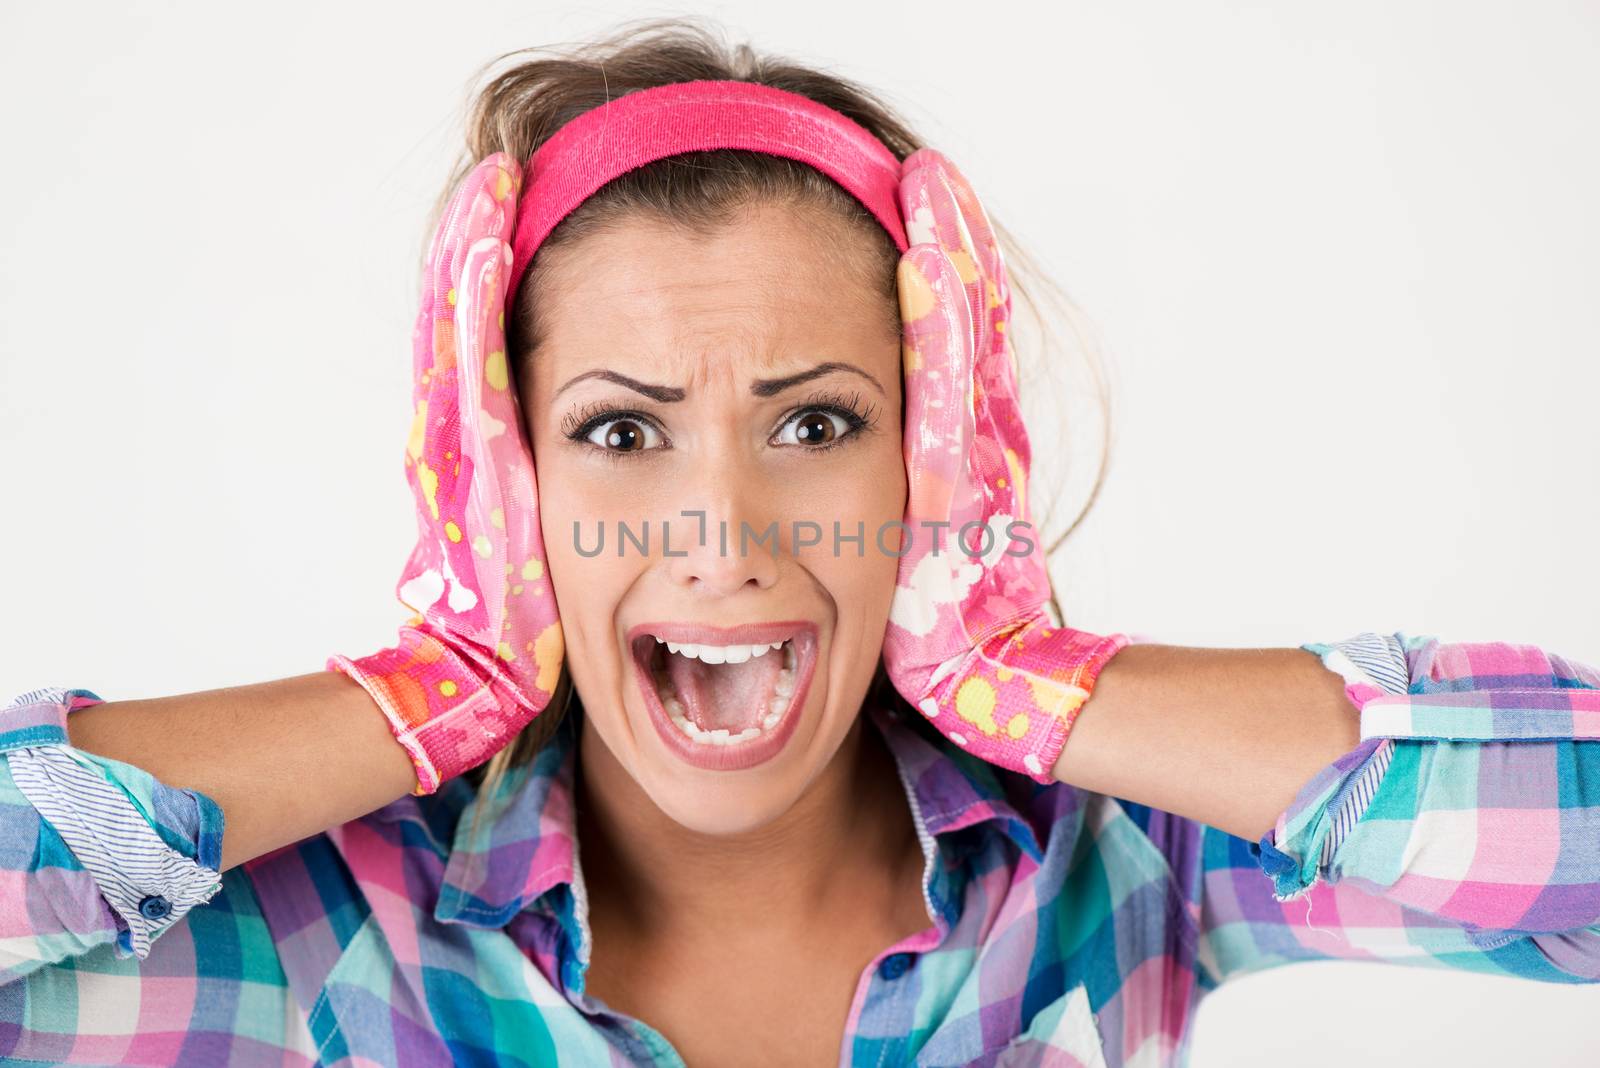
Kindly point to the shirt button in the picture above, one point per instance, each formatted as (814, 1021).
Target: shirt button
(894, 965)
(154, 907)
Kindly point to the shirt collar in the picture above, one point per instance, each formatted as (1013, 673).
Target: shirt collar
(526, 844)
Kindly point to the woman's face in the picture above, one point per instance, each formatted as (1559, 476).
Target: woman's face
(751, 374)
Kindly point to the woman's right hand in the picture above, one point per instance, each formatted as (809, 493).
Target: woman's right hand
(481, 658)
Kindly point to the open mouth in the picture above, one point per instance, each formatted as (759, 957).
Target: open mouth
(724, 702)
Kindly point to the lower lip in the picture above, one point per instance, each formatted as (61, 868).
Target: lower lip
(757, 750)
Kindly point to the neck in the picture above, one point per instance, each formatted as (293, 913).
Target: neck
(850, 832)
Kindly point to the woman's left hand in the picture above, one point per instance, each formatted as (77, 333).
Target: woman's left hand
(969, 642)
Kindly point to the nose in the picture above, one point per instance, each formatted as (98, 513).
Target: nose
(733, 545)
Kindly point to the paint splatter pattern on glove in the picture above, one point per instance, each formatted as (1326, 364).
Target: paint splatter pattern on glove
(969, 641)
(481, 657)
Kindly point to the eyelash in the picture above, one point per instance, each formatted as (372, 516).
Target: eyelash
(578, 425)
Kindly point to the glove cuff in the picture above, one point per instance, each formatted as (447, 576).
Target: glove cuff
(1013, 699)
(444, 709)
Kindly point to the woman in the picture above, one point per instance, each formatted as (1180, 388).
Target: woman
(843, 794)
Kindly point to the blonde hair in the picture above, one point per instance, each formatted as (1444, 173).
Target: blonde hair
(520, 107)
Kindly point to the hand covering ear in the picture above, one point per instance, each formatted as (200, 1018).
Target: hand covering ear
(969, 641)
(481, 657)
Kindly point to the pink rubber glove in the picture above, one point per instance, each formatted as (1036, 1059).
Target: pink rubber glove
(969, 641)
(480, 659)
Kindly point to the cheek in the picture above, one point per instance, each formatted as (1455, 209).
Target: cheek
(868, 486)
(588, 585)
(867, 497)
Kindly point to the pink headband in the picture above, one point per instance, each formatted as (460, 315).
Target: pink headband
(650, 124)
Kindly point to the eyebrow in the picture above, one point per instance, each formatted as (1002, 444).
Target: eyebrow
(664, 394)
(767, 387)
(761, 387)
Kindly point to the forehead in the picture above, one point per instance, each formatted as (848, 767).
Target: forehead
(774, 284)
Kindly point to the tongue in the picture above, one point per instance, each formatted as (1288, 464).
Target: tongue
(729, 696)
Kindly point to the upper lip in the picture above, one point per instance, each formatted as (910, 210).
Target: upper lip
(704, 634)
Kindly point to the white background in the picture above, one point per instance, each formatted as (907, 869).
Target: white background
(1342, 260)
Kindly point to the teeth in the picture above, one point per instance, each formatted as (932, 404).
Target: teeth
(720, 736)
(727, 654)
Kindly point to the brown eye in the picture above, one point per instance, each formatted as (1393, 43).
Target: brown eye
(813, 427)
(623, 435)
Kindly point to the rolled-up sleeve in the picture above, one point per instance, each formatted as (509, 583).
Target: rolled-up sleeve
(1472, 802)
(92, 850)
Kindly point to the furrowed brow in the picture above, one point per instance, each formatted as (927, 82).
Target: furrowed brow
(767, 387)
(663, 394)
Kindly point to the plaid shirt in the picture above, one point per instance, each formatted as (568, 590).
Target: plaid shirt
(1065, 927)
